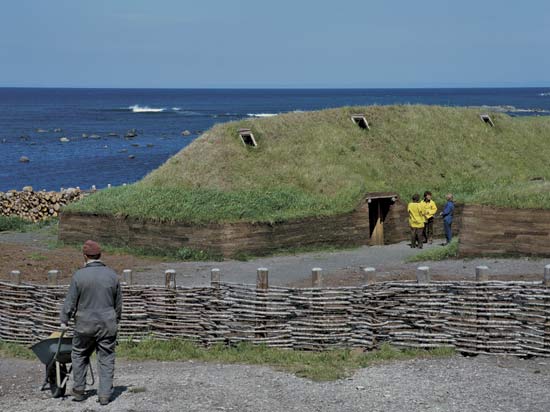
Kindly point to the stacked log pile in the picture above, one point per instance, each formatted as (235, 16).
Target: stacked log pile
(36, 206)
(488, 317)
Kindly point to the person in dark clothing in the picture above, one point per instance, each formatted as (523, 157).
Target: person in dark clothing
(94, 299)
(447, 215)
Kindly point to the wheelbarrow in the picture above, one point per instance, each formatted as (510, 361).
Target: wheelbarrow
(55, 353)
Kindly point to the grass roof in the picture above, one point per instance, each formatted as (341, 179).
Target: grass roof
(321, 163)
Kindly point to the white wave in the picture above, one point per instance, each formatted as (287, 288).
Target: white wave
(261, 114)
(145, 109)
(544, 94)
(513, 109)
(176, 109)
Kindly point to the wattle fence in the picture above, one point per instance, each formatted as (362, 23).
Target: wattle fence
(475, 317)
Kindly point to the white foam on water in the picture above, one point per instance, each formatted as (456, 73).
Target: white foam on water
(145, 109)
(544, 94)
(512, 109)
(261, 114)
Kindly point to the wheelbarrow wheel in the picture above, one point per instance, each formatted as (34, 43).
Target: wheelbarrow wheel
(57, 391)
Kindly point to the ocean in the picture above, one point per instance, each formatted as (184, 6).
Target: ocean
(94, 123)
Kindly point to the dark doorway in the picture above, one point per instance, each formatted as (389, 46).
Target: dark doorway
(379, 207)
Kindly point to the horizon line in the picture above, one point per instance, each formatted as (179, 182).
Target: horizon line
(273, 88)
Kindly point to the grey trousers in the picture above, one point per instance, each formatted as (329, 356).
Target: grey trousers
(83, 348)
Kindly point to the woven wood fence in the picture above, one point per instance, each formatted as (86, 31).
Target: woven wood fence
(477, 317)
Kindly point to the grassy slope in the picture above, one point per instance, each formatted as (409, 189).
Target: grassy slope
(319, 163)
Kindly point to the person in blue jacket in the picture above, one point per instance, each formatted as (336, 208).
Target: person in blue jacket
(447, 214)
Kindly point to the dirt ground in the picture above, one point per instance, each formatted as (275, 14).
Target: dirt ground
(35, 253)
(34, 262)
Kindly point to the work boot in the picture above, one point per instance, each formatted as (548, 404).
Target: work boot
(79, 395)
(103, 400)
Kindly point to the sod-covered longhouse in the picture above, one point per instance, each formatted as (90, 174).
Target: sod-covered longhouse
(319, 178)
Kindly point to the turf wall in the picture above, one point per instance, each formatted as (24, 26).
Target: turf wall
(488, 230)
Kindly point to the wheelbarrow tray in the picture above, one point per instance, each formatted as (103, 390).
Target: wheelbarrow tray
(45, 350)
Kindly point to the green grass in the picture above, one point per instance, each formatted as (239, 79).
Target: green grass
(437, 253)
(12, 350)
(181, 254)
(317, 366)
(17, 224)
(37, 256)
(13, 224)
(320, 163)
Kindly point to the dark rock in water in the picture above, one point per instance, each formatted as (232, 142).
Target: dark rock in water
(33, 143)
(57, 130)
(131, 133)
(197, 132)
(135, 144)
(131, 157)
(84, 136)
(150, 144)
(41, 131)
(185, 133)
(24, 159)
(24, 137)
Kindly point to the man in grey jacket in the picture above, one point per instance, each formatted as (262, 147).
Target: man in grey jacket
(95, 301)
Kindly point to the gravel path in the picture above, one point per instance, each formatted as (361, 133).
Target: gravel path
(342, 267)
(450, 384)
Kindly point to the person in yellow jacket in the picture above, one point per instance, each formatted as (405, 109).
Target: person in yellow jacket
(430, 209)
(416, 220)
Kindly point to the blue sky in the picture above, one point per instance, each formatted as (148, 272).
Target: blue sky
(245, 43)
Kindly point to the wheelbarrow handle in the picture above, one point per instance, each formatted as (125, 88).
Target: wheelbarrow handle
(59, 343)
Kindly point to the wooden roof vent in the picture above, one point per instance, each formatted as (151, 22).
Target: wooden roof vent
(247, 137)
(487, 119)
(360, 120)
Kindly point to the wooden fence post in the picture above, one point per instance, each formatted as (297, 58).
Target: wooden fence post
(262, 285)
(423, 274)
(52, 277)
(215, 279)
(369, 276)
(547, 275)
(15, 277)
(128, 276)
(262, 279)
(317, 277)
(482, 273)
(170, 278)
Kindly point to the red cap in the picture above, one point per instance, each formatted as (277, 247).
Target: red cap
(91, 248)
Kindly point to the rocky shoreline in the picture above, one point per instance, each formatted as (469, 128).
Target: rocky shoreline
(36, 206)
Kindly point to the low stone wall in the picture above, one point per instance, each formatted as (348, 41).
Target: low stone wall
(474, 317)
(350, 229)
(488, 230)
(35, 206)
